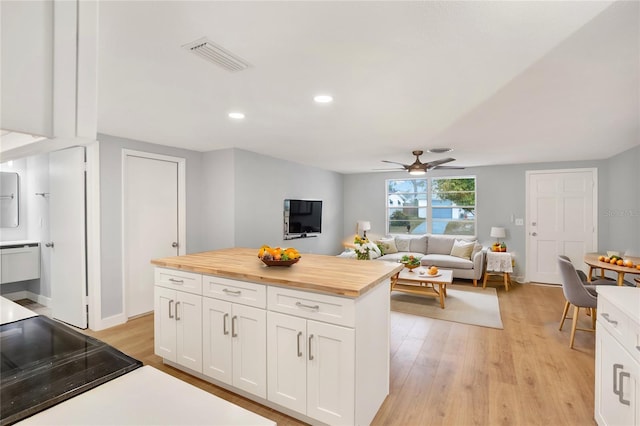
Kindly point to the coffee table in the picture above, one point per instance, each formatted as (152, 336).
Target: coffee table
(423, 284)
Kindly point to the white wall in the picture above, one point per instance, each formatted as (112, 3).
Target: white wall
(218, 199)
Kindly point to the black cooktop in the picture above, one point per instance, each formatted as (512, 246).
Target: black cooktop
(44, 362)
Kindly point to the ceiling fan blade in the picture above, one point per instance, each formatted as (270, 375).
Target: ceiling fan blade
(388, 170)
(432, 164)
(395, 162)
(449, 167)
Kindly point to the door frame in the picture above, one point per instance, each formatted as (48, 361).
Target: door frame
(528, 230)
(182, 203)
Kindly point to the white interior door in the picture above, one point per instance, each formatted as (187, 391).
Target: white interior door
(150, 228)
(561, 219)
(68, 241)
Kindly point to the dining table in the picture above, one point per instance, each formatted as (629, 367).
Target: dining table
(592, 260)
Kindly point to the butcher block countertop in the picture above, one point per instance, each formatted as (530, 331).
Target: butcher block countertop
(315, 272)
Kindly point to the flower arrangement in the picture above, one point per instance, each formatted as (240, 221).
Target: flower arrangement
(410, 261)
(364, 247)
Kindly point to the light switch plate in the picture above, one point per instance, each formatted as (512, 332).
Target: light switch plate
(519, 221)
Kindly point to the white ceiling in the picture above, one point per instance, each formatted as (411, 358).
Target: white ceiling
(499, 82)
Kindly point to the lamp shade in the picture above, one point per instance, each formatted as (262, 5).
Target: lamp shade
(364, 225)
(497, 232)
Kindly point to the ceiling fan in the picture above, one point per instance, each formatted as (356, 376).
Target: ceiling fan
(420, 168)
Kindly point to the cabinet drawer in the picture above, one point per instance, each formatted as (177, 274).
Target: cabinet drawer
(620, 326)
(320, 307)
(179, 280)
(235, 291)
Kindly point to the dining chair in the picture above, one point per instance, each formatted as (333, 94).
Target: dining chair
(577, 295)
(590, 286)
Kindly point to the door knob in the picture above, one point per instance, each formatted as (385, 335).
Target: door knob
(534, 234)
(49, 244)
(174, 244)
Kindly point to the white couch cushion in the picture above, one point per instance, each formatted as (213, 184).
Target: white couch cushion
(462, 249)
(446, 261)
(440, 244)
(417, 244)
(388, 245)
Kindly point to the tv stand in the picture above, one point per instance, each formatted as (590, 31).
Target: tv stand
(296, 237)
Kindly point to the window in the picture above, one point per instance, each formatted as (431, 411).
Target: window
(439, 205)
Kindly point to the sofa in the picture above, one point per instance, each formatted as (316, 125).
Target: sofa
(464, 256)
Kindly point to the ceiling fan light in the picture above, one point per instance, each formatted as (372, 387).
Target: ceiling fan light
(417, 172)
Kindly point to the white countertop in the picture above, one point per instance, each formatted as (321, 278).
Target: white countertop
(11, 311)
(627, 299)
(146, 396)
(18, 243)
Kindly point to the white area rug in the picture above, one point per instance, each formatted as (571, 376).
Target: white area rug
(464, 304)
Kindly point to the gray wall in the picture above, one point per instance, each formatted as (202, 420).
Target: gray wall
(111, 211)
(262, 183)
(619, 210)
(501, 193)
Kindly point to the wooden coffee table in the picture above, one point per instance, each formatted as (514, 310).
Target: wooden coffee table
(423, 284)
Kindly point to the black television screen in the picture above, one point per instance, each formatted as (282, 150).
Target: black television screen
(302, 217)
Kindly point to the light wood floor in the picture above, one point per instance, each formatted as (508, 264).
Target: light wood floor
(445, 373)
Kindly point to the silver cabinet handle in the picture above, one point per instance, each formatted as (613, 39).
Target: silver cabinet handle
(299, 352)
(173, 280)
(610, 321)
(309, 349)
(177, 317)
(232, 292)
(170, 303)
(174, 244)
(233, 326)
(313, 308)
(615, 379)
(225, 330)
(49, 244)
(623, 401)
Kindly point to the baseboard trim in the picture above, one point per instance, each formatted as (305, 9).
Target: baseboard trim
(109, 322)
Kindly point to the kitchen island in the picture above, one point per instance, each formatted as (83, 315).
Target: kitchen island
(310, 340)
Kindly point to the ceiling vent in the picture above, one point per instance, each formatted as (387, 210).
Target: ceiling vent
(215, 54)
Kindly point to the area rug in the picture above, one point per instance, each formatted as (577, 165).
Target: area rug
(464, 304)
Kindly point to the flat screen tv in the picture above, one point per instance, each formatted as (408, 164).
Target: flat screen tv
(302, 217)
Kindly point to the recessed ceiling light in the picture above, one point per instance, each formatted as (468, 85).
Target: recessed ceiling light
(236, 115)
(439, 150)
(323, 99)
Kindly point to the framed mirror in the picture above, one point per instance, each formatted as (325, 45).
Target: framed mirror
(9, 198)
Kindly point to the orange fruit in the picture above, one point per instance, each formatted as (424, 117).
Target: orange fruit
(600, 258)
(638, 266)
(606, 260)
(628, 263)
(619, 262)
(613, 261)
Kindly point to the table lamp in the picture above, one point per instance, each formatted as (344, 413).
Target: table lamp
(365, 225)
(497, 233)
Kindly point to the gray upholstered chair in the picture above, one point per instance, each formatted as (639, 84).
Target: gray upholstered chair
(590, 286)
(577, 295)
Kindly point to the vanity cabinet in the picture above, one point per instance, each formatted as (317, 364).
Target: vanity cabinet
(19, 262)
(178, 318)
(617, 391)
(234, 334)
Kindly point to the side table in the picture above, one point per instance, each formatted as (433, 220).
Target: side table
(498, 263)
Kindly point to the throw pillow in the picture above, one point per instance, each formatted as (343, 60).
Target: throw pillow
(418, 245)
(402, 243)
(388, 245)
(462, 249)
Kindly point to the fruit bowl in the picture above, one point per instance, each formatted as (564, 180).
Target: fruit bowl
(280, 262)
(410, 267)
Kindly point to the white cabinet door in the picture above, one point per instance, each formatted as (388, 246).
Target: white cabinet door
(234, 345)
(249, 341)
(216, 339)
(287, 361)
(164, 330)
(618, 382)
(188, 315)
(330, 373)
